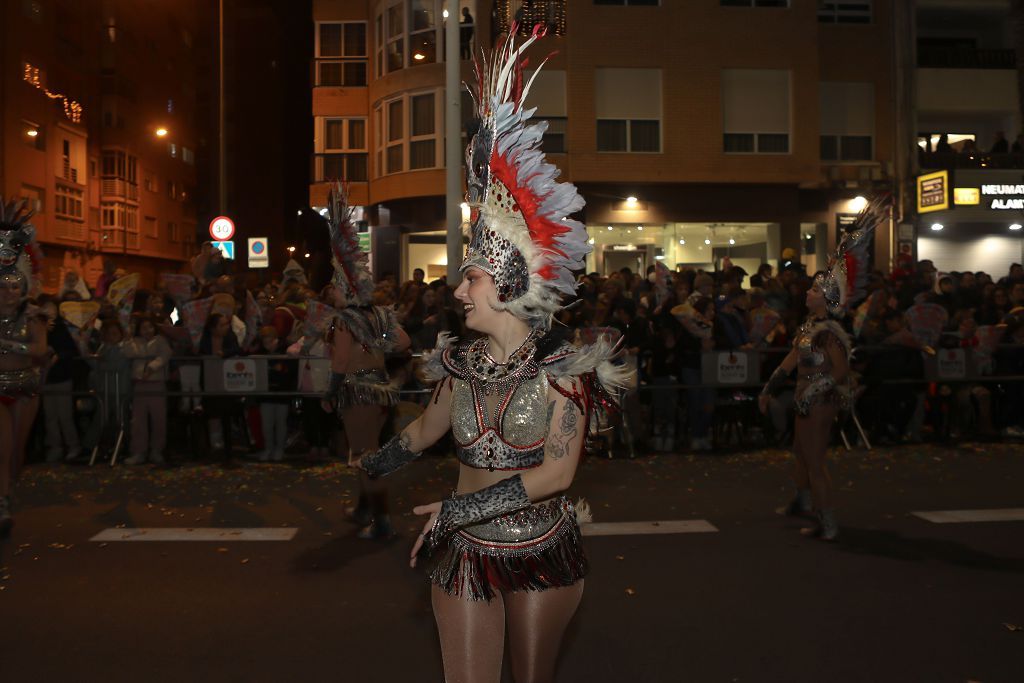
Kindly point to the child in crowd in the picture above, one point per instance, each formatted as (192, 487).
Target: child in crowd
(281, 376)
(150, 353)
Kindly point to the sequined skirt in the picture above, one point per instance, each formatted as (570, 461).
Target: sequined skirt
(369, 387)
(15, 383)
(533, 549)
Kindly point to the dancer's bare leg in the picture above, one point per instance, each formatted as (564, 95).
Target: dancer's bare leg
(816, 435)
(536, 623)
(472, 634)
(363, 425)
(24, 414)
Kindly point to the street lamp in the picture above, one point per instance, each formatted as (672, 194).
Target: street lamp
(858, 203)
(161, 132)
(631, 200)
(291, 250)
(32, 132)
(937, 226)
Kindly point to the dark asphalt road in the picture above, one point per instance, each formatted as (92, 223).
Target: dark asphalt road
(897, 599)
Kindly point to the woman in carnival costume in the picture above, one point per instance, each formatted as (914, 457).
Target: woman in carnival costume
(359, 336)
(22, 347)
(820, 355)
(518, 401)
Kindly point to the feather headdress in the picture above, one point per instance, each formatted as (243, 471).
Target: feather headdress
(351, 265)
(844, 280)
(521, 233)
(19, 253)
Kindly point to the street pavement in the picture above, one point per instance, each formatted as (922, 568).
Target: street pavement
(897, 598)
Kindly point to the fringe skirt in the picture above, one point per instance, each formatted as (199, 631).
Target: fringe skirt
(369, 387)
(532, 549)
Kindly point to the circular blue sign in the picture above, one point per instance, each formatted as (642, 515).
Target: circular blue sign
(258, 247)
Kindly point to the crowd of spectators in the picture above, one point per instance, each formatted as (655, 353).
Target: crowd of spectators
(667, 321)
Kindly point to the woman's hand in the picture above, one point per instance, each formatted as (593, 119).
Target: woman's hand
(762, 403)
(434, 509)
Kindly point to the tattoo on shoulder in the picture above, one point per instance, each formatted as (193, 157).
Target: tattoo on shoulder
(551, 411)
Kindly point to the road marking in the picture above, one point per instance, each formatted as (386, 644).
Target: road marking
(957, 516)
(674, 526)
(221, 535)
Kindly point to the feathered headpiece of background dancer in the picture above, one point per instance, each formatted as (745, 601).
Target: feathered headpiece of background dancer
(521, 233)
(19, 253)
(351, 265)
(844, 280)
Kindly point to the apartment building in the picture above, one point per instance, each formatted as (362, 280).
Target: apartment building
(971, 189)
(97, 122)
(696, 130)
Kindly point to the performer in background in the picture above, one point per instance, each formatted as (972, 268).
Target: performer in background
(359, 337)
(820, 355)
(22, 347)
(518, 401)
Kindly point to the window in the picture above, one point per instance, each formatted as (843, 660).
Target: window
(35, 197)
(172, 232)
(341, 150)
(547, 94)
(847, 121)
(409, 33)
(755, 111)
(151, 227)
(395, 37)
(148, 182)
(69, 203)
(844, 12)
(172, 149)
(422, 145)
(117, 164)
(188, 156)
(422, 32)
(172, 190)
(341, 54)
(754, 3)
(628, 109)
(409, 133)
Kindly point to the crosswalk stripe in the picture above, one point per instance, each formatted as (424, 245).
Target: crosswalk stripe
(960, 516)
(673, 526)
(222, 535)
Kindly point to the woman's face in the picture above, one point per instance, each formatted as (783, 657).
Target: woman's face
(429, 298)
(477, 293)
(815, 299)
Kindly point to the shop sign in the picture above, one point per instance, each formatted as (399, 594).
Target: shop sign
(933, 192)
(1004, 197)
(732, 368)
(966, 196)
(239, 374)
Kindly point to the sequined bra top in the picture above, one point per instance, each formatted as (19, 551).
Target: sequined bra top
(498, 411)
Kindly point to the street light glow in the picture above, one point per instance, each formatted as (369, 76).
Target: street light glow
(444, 13)
(682, 241)
(299, 213)
(418, 56)
(161, 132)
(707, 241)
(732, 241)
(291, 249)
(307, 255)
(858, 203)
(32, 132)
(1015, 226)
(631, 200)
(937, 226)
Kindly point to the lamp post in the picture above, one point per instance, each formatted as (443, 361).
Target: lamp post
(453, 143)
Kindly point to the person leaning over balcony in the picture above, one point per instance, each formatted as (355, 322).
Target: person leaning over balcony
(150, 352)
(820, 356)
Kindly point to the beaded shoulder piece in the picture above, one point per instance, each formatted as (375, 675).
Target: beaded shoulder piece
(815, 328)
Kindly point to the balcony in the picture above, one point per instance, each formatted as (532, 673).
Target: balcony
(118, 188)
(950, 57)
(348, 167)
(979, 160)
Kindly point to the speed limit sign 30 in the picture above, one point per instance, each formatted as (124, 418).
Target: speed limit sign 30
(222, 228)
